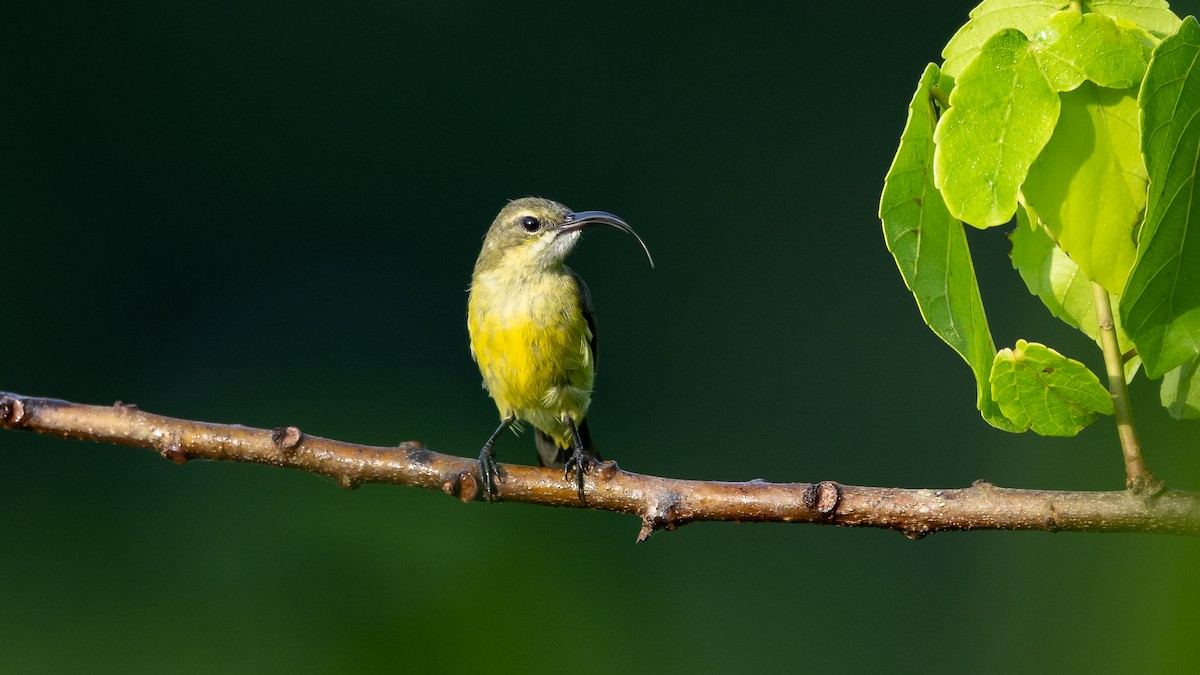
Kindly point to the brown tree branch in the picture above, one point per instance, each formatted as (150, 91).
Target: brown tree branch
(661, 503)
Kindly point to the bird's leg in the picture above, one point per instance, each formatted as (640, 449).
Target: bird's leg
(580, 461)
(487, 460)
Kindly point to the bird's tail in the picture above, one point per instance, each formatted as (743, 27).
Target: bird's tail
(549, 454)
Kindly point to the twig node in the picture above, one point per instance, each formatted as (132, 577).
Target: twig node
(287, 438)
(12, 412)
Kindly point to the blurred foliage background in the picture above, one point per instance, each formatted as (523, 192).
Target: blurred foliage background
(267, 214)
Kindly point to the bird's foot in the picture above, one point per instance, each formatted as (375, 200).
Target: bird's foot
(579, 463)
(489, 473)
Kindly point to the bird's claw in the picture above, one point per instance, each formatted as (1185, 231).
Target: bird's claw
(579, 463)
(489, 473)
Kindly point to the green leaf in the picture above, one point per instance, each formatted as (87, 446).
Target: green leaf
(931, 251)
(1074, 47)
(1039, 389)
(1056, 53)
(1052, 276)
(1089, 184)
(989, 18)
(1161, 302)
(1181, 391)
(1153, 15)
(1002, 113)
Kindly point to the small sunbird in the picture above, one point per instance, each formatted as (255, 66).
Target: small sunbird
(533, 332)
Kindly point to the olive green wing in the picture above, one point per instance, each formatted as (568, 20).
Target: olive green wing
(549, 454)
(589, 314)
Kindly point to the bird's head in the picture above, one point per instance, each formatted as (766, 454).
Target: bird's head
(536, 233)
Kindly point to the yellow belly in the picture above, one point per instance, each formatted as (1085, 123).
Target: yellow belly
(531, 342)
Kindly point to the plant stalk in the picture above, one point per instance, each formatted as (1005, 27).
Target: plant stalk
(1138, 478)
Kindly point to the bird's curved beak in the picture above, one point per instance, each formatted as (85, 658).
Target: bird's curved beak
(580, 220)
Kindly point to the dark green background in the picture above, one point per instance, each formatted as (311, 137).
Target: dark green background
(268, 215)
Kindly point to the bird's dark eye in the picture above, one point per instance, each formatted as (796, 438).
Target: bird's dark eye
(531, 224)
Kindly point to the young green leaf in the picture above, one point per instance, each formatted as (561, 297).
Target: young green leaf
(1039, 389)
(1002, 113)
(1074, 47)
(1089, 184)
(931, 251)
(989, 18)
(1154, 16)
(1181, 391)
(1052, 276)
(1161, 302)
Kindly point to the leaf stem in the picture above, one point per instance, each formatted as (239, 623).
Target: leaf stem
(943, 99)
(1137, 477)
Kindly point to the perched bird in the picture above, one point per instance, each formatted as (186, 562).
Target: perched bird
(533, 332)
